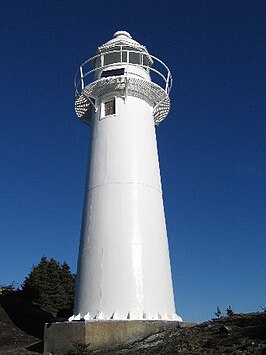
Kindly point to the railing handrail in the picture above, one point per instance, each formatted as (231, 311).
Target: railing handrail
(79, 77)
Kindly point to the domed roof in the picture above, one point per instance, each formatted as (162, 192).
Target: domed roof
(122, 38)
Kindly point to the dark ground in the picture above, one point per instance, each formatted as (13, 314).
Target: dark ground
(21, 326)
(240, 334)
(21, 332)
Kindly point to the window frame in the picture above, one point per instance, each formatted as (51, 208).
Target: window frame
(103, 107)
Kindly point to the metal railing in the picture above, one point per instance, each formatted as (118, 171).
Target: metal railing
(163, 73)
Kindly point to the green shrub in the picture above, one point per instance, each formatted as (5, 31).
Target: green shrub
(79, 349)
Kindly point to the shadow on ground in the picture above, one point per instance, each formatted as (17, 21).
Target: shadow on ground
(36, 348)
(25, 315)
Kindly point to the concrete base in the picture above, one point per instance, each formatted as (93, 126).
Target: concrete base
(59, 337)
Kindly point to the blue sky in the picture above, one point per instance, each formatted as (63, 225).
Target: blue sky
(212, 145)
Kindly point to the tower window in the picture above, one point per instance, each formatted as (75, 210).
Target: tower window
(109, 107)
(134, 58)
(113, 72)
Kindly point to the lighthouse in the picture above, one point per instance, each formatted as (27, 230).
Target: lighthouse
(124, 270)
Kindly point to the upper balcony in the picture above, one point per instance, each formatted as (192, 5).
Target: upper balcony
(130, 71)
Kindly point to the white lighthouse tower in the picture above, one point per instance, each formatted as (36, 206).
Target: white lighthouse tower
(124, 268)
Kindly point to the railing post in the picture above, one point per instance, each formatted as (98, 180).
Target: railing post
(167, 82)
(81, 77)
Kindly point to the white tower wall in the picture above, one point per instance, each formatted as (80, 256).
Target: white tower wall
(124, 268)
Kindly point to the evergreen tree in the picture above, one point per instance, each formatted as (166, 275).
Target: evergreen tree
(67, 280)
(218, 312)
(35, 282)
(230, 312)
(50, 285)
